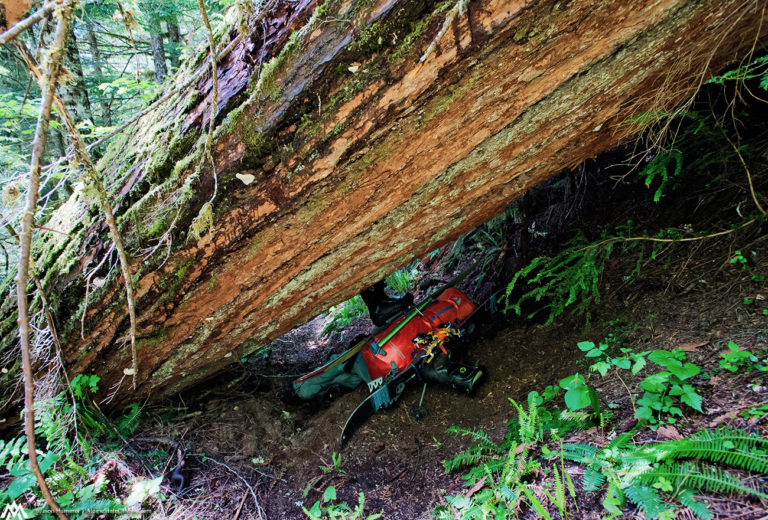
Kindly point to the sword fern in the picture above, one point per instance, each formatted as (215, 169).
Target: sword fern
(640, 472)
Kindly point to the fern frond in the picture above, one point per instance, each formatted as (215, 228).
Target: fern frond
(593, 480)
(469, 457)
(719, 451)
(536, 503)
(646, 498)
(707, 478)
(734, 447)
(622, 440)
(699, 509)
(579, 452)
(559, 487)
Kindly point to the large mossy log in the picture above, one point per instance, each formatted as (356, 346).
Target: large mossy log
(339, 160)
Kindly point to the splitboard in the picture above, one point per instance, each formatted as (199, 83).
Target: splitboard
(383, 397)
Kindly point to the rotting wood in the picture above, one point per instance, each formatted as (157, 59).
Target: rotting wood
(356, 164)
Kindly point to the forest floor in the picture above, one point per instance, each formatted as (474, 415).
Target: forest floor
(690, 298)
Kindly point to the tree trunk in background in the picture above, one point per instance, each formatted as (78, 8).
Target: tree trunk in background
(339, 160)
(93, 44)
(72, 92)
(174, 42)
(158, 50)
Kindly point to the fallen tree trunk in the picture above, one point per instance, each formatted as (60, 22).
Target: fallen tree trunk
(338, 160)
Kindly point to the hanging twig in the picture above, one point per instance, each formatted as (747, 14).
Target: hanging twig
(749, 176)
(90, 170)
(47, 313)
(23, 25)
(48, 88)
(203, 219)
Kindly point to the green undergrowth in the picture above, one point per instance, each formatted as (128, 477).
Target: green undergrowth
(659, 478)
(74, 443)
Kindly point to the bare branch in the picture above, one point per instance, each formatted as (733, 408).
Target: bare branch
(90, 170)
(26, 23)
(48, 87)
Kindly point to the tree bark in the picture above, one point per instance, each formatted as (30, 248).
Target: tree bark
(72, 92)
(174, 39)
(97, 61)
(158, 50)
(339, 160)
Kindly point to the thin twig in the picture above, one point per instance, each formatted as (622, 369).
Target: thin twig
(240, 507)
(48, 88)
(235, 473)
(666, 240)
(106, 207)
(459, 8)
(749, 176)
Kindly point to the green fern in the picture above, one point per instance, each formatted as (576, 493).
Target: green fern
(727, 446)
(536, 503)
(705, 478)
(501, 467)
(697, 508)
(646, 498)
(658, 168)
(568, 279)
(637, 471)
(481, 448)
(593, 480)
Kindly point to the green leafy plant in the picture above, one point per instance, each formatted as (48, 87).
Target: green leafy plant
(668, 163)
(659, 404)
(344, 314)
(662, 390)
(335, 464)
(498, 468)
(496, 471)
(329, 509)
(403, 280)
(739, 259)
(562, 483)
(756, 68)
(640, 473)
(570, 278)
(755, 411)
(67, 475)
(736, 359)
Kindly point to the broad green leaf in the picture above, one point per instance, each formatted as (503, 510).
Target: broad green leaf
(661, 357)
(639, 365)
(577, 398)
(601, 367)
(656, 382)
(570, 381)
(691, 398)
(622, 363)
(330, 494)
(21, 485)
(684, 371)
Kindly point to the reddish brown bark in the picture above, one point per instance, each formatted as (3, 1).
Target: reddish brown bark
(360, 163)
